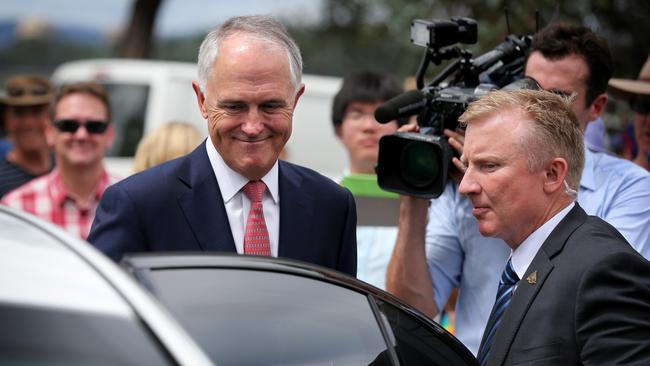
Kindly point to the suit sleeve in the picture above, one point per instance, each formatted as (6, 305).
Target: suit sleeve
(347, 261)
(116, 229)
(612, 312)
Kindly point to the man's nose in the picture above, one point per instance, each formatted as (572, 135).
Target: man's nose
(468, 184)
(81, 132)
(368, 121)
(254, 123)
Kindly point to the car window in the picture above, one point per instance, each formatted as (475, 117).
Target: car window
(252, 317)
(419, 344)
(128, 111)
(48, 336)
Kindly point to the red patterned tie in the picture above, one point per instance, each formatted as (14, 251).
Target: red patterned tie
(256, 236)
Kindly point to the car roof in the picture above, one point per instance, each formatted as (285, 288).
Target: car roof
(44, 266)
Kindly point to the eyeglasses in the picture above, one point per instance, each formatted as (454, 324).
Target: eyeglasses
(641, 106)
(72, 125)
(357, 116)
(20, 90)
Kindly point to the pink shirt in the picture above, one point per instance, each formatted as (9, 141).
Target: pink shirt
(47, 198)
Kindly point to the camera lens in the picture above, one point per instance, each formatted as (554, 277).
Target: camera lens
(419, 164)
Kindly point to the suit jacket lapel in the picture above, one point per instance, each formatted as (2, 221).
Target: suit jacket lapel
(527, 289)
(201, 202)
(296, 215)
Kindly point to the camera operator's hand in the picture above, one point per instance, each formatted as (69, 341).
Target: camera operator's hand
(457, 141)
(410, 127)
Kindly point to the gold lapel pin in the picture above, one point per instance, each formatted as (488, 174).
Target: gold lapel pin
(532, 278)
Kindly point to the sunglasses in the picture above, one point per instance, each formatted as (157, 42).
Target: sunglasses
(20, 90)
(72, 125)
(640, 106)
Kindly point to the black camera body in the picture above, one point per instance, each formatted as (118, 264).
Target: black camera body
(418, 164)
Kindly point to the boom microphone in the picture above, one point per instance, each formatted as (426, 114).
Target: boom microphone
(403, 105)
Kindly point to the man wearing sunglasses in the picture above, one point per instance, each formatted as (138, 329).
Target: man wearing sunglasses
(80, 133)
(25, 104)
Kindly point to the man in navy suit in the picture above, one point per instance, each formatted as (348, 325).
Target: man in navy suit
(248, 86)
(574, 292)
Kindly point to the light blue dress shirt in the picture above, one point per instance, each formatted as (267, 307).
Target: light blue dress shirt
(614, 189)
(374, 248)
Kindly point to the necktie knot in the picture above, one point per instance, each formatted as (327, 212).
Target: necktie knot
(509, 276)
(254, 190)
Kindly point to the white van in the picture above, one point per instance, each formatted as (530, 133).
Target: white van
(146, 93)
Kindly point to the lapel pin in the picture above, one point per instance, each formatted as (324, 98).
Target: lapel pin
(532, 278)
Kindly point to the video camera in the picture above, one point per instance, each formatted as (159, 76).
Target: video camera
(417, 164)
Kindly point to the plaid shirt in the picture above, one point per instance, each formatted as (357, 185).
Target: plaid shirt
(47, 198)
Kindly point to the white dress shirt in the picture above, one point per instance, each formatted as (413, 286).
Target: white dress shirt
(238, 205)
(523, 256)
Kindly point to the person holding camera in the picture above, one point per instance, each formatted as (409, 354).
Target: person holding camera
(439, 246)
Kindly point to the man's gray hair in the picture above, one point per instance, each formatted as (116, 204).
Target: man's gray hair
(261, 27)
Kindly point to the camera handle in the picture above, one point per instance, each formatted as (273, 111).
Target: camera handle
(436, 56)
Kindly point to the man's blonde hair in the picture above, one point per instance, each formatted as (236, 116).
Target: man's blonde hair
(554, 131)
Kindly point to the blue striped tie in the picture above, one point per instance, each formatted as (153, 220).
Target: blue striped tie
(506, 286)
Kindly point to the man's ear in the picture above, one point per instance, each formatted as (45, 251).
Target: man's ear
(554, 175)
(110, 135)
(338, 130)
(298, 95)
(200, 98)
(597, 108)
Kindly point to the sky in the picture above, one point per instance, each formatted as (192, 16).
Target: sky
(176, 17)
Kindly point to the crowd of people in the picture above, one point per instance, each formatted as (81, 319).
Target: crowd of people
(545, 236)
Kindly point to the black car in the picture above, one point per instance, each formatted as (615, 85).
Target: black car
(247, 310)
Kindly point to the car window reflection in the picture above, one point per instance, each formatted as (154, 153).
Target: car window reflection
(254, 317)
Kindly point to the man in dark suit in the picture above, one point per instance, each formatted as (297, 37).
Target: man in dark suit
(573, 291)
(232, 194)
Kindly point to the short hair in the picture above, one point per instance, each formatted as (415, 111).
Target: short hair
(560, 40)
(91, 88)
(169, 141)
(264, 28)
(368, 86)
(554, 129)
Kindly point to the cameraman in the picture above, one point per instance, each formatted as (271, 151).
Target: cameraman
(450, 252)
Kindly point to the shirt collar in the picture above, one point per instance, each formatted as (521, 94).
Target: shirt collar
(60, 193)
(588, 181)
(57, 190)
(523, 256)
(231, 182)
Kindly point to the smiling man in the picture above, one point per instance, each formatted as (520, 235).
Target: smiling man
(80, 133)
(232, 194)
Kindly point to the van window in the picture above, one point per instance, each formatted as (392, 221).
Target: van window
(128, 110)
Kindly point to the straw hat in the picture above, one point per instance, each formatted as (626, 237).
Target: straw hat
(628, 88)
(27, 90)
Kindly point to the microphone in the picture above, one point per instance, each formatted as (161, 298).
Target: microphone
(403, 105)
